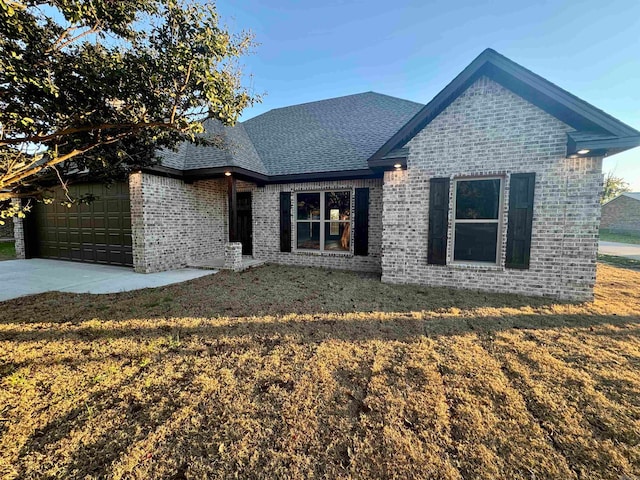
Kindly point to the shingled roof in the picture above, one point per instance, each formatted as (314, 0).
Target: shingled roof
(338, 134)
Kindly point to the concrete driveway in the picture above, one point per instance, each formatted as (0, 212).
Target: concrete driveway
(26, 277)
(627, 250)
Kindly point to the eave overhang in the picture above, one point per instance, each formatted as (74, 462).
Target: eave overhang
(594, 144)
(190, 176)
(394, 160)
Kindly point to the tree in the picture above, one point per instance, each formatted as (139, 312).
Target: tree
(97, 86)
(613, 186)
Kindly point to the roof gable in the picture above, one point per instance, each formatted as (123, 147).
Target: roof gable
(236, 149)
(600, 131)
(632, 195)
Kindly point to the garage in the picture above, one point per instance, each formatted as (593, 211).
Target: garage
(98, 232)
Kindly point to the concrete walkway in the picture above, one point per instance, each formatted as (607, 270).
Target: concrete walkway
(627, 250)
(26, 277)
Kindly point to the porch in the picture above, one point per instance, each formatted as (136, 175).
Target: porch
(218, 263)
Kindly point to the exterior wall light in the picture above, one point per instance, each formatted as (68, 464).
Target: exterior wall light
(583, 151)
(228, 174)
(398, 166)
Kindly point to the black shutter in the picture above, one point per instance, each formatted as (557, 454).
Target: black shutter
(361, 223)
(285, 221)
(438, 220)
(520, 220)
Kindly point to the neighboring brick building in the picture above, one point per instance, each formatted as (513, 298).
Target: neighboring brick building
(6, 230)
(622, 214)
(493, 185)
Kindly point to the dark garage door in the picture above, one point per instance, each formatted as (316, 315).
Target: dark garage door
(99, 232)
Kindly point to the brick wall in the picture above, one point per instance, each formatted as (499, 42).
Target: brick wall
(266, 225)
(174, 222)
(488, 130)
(621, 215)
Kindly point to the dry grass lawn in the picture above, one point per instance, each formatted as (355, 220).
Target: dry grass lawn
(297, 373)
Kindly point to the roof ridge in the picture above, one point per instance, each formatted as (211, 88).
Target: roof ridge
(631, 195)
(333, 98)
(395, 98)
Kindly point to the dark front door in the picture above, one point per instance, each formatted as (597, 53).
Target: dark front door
(245, 230)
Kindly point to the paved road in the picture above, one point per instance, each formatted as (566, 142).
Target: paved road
(620, 249)
(37, 275)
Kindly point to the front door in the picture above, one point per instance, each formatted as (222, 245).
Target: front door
(245, 229)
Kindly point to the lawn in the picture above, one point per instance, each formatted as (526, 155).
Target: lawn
(619, 261)
(283, 372)
(7, 251)
(609, 236)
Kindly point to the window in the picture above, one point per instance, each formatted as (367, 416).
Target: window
(323, 221)
(477, 217)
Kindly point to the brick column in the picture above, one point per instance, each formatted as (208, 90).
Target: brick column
(18, 233)
(140, 262)
(233, 256)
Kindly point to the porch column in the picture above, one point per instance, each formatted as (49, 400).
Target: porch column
(19, 233)
(233, 208)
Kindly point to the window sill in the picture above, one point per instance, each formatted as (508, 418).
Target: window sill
(319, 253)
(478, 266)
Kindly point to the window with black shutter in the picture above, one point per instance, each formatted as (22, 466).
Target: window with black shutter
(323, 221)
(477, 218)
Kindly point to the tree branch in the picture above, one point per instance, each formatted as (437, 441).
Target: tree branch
(9, 195)
(10, 180)
(62, 36)
(93, 29)
(180, 92)
(88, 128)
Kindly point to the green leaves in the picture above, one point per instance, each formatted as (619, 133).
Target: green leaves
(103, 84)
(613, 186)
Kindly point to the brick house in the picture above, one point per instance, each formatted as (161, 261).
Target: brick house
(494, 185)
(622, 214)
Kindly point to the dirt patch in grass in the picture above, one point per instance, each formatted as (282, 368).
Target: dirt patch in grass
(7, 251)
(283, 372)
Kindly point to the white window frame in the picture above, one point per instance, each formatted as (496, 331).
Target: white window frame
(499, 221)
(322, 222)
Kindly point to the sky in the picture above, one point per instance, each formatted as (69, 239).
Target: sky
(311, 50)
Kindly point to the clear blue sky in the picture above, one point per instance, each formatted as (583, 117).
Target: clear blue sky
(310, 50)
